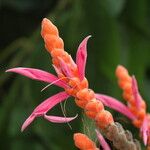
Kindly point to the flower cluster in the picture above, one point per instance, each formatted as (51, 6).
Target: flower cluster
(135, 102)
(71, 77)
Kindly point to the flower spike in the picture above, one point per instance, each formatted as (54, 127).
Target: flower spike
(136, 92)
(71, 77)
(135, 102)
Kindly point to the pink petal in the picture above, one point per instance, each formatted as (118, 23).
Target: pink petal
(144, 130)
(81, 57)
(27, 122)
(49, 103)
(37, 74)
(102, 141)
(56, 119)
(136, 93)
(115, 104)
(45, 106)
(58, 70)
(65, 68)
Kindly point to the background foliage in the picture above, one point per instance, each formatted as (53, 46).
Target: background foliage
(120, 35)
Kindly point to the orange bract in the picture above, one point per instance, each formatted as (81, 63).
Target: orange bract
(48, 28)
(83, 142)
(103, 119)
(84, 97)
(93, 107)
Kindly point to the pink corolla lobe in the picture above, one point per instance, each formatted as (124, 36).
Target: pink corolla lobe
(81, 57)
(144, 130)
(135, 91)
(56, 119)
(116, 105)
(37, 74)
(65, 69)
(45, 106)
(102, 141)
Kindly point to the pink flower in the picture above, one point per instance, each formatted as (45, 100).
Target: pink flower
(102, 141)
(123, 109)
(48, 104)
(43, 76)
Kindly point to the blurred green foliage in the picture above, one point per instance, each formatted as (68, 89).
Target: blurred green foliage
(120, 35)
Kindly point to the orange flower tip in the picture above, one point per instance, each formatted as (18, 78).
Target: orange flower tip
(48, 28)
(45, 20)
(83, 142)
(76, 135)
(119, 70)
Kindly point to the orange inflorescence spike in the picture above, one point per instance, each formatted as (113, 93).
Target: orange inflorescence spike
(83, 142)
(84, 97)
(125, 83)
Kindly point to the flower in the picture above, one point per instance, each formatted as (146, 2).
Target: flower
(70, 77)
(131, 94)
(135, 102)
(49, 103)
(40, 75)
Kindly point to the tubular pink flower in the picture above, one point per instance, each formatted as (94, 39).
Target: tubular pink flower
(136, 93)
(39, 75)
(102, 141)
(44, 107)
(81, 57)
(115, 104)
(144, 130)
(56, 119)
(28, 121)
(65, 68)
